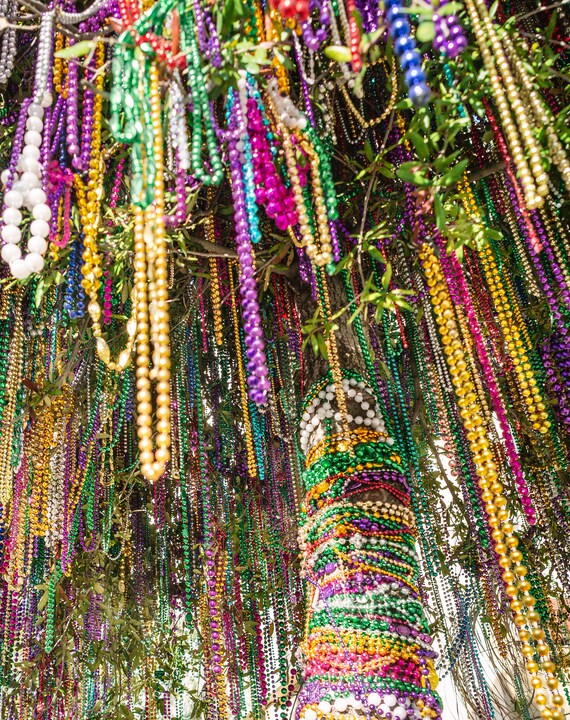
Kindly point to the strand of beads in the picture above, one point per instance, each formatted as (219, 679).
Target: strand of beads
(270, 190)
(150, 223)
(449, 35)
(255, 347)
(297, 10)
(539, 110)
(88, 201)
(320, 408)
(210, 231)
(514, 118)
(200, 108)
(7, 42)
(517, 587)
(405, 47)
(25, 189)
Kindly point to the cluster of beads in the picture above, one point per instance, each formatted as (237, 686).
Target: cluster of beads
(320, 409)
(514, 572)
(511, 106)
(270, 190)
(7, 42)
(405, 46)
(449, 35)
(178, 124)
(26, 191)
(255, 347)
(292, 9)
(75, 299)
(287, 112)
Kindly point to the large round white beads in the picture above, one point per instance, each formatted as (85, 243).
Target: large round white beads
(26, 193)
(24, 186)
(288, 112)
(320, 409)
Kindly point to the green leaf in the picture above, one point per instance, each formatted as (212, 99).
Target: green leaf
(418, 10)
(78, 50)
(551, 25)
(425, 32)
(450, 9)
(412, 172)
(439, 212)
(387, 277)
(403, 304)
(338, 53)
(455, 173)
(419, 144)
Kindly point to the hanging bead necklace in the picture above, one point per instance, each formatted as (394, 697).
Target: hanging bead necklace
(510, 105)
(151, 264)
(25, 189)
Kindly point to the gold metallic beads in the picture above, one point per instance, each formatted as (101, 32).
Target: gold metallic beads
(151, 284)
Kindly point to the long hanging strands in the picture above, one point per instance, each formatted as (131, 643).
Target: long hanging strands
(334, 242)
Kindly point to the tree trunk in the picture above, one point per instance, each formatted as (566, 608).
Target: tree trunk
(366, 648)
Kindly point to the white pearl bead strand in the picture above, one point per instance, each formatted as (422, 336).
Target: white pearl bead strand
(26, 190)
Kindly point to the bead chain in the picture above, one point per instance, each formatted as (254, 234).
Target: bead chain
(150, 240)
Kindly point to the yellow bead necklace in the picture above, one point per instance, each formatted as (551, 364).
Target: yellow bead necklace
(514, 117)
(88, 200)
(151, 281)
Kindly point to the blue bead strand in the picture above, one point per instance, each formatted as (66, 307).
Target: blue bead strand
(409, 58)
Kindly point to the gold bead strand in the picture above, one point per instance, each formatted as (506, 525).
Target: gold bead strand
(88, 201)
(510, 558)
(507, 119)
(518, 107)
(532, 399)
(13, 381)
(214, 278)
(334, 362)
(325, 255)
(58, 64)
(540, 111)
(307, 239)
(547, 221)
(251, 461)
(153, 461)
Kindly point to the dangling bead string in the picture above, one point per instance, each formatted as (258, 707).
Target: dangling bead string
(540, 110)
(26, 188)
(88, 200)
(514, 118)
(13, 380)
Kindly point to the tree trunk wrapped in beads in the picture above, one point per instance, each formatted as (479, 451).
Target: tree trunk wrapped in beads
(367, 648)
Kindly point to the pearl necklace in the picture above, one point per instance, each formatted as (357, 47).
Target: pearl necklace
(24, 189)
(69, 18)
(286, 110)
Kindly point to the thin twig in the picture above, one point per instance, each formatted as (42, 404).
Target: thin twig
(490, 170)
(542, 9)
